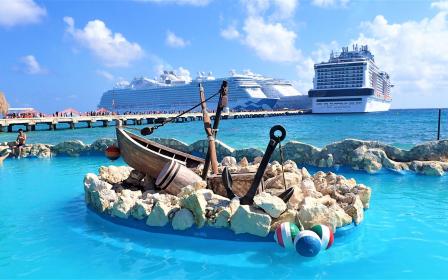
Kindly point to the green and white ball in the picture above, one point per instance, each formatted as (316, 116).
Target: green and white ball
(285, 233)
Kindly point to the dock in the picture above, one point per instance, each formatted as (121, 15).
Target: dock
(29, 124)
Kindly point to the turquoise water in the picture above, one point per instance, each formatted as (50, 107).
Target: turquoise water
(47, 232)
(403, 128)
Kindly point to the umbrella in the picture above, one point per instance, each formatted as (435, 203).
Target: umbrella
(102, 110)
(72, 111)
(3, 104)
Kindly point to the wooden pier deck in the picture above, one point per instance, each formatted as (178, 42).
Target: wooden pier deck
(29, 124)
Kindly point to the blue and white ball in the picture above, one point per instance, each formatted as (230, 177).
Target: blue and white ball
(285, 233)
(307, 243)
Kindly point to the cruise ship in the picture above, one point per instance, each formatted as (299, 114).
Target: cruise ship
(171, 92)
(350, 82)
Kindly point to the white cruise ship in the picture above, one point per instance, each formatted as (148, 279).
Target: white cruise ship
(350, 82)
(171, 92)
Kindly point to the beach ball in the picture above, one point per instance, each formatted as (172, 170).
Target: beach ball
(325, 234)
(307, 243)
(285, 233)
(112, 152)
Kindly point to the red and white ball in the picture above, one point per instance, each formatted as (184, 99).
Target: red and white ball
(325, 234)
(285, 233)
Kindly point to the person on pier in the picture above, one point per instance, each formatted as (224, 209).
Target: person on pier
(20, 144)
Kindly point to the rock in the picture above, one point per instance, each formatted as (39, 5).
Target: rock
(114, 174)
(313, 212)
(173, 143)
(244, 162)
(166, 198)
(273, 169)
(249, 153)
(148, 183)
(71, 148)
(305, 173)
(296, 199)
(291, 179)
(364, 194)
(40, 151)
(247, 219)
(301, 153)
(228, 161)
(248, 169)
(257, 160)
(142, 208)
(221, 219)
(223, 209)
(201, 147)
(430, 168)
(159, 215)
(288, 216)
(196, 203)
(182, 219)
(98, 194)
(355, 210)
(122, 207)
(307, 186)
(100, 145)
(341, 218)
(200, 185)
(272, 205)
(289, 166)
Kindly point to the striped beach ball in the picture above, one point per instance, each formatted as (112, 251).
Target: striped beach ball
(285, 233)
(325, 234)
(307, 243)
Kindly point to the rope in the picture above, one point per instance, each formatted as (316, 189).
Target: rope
(175, 117)
(282, 160)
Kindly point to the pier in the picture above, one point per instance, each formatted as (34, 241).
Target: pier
(29, 124)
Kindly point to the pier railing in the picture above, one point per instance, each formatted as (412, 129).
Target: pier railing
(29, 124)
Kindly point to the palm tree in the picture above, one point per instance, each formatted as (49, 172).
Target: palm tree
(3, 104)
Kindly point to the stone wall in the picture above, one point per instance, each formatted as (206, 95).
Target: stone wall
(430, 158)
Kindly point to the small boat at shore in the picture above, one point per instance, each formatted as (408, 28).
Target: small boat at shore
(150, 157)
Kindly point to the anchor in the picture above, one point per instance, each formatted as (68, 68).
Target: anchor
(249, 197)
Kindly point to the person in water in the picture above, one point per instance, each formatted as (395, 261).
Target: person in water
(20, 143)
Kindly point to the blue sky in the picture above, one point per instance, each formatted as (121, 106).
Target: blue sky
(59, 54)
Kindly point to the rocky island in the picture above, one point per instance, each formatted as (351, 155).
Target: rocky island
(322, 198)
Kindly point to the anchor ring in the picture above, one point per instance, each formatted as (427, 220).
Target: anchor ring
(276, 128)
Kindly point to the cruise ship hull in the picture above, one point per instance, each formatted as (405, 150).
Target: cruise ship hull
(352, 101)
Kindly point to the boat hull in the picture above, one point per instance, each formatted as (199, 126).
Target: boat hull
(148, 156)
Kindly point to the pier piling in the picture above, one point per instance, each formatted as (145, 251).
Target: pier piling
(438, 125)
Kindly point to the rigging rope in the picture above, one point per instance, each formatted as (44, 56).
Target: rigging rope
(175, 117)
(282, 160)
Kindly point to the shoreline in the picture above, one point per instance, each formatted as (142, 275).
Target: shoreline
(428, 158)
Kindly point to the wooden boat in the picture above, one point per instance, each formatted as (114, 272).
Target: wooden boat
(148, 156)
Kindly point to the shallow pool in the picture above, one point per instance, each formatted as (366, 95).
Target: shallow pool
(47, 232)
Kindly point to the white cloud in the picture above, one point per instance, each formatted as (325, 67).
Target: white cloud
(175, 41)
(230, 33)
(30, 65)
(330, 3)
(441, 5)
(284, 8)
(270, 41)
(105, 74)
(113, 49)
(19, 12)
(414, 53)
(180, 2)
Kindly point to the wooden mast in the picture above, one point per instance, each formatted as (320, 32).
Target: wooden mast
(209, 131)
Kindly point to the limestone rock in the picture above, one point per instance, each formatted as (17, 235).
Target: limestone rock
(291, 179)
(244, 162)
(142, 208)
(305, 173)
(228, 161)
(249, 153)
(196, 203)
(355, 210)
(159, 215)
(247, 219)
(296, 199)
(71, 148)
(289, 166)
(364, 194)
(272, 205)
(182, 219)
(173, 143)
(122, 207)
(100, 145)
(257, 160)
(40, 151)
(313, 212)
(114, 174)
(288, 216)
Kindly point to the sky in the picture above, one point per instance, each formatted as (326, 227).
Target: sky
(59, 54)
